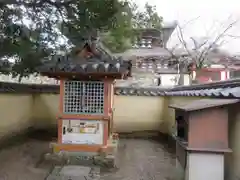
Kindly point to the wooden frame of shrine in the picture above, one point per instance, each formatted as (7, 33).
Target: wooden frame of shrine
(85, 117)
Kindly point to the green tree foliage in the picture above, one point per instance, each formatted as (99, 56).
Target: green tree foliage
(129, 21)
(149, 18)
(117, 38)
(33, 29)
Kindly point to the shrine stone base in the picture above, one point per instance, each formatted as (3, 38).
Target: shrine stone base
(74, 173)
(105, 158)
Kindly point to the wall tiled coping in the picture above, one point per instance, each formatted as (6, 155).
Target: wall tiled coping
(218, 84)
(9, 87)
(222, 89)
(230, 88)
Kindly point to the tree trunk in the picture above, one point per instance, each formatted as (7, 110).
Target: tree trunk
(182, 70)
(20, 78)
(181, 79)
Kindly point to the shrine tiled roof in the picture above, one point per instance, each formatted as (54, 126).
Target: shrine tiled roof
(93, 62)
(85, 66)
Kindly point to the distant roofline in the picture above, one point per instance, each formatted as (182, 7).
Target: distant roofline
(166, 26)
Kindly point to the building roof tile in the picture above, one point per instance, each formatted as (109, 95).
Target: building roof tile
(224, 89)
(203, 104)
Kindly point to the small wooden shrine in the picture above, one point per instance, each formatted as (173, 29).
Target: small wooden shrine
(202, 137)
(85, 117)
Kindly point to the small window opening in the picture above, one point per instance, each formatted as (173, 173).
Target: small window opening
(182, 130)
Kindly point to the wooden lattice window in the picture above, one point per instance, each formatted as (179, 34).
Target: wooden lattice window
(83, 97)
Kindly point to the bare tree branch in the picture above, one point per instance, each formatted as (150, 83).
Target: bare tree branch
(181, 37)
(190, 21)
(200, 50)
(232, 36)
(221, 35)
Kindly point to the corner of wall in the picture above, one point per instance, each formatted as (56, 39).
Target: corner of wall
(168, 115)
(44, 108)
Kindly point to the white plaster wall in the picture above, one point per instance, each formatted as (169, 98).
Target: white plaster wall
(15, 113)
(168, 79)
(223, 75)
(135, 113)
(203, 166)
(186, 79)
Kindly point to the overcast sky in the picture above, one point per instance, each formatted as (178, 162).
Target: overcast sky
(212, 15)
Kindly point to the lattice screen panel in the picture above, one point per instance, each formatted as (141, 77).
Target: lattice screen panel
(83, 97)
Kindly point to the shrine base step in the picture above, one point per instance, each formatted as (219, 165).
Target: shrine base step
(106, 157)
(74, 173)
(107, 161)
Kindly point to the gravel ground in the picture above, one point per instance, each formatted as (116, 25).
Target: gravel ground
(20, 162)
(138, 160)
(144, 160)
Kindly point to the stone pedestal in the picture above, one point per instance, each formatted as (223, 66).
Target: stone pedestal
(74, 173)
(106, 158)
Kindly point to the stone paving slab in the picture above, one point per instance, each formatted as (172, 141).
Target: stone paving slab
(70, 172)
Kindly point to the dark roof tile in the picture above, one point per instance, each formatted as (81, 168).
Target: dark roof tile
(86, 66)
(223, 89)
(203, 104)
(99, 62)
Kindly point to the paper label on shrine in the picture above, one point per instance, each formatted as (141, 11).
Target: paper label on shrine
(82, 132)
